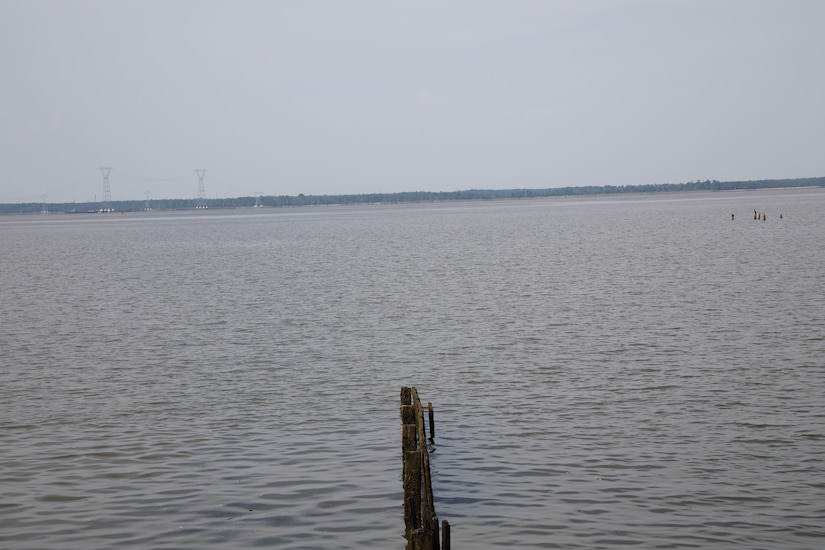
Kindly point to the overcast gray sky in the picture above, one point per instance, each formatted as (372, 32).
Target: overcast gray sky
(359, 96)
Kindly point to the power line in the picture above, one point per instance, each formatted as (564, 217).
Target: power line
(134, 178)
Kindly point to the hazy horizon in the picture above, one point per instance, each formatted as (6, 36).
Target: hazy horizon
(318, 98)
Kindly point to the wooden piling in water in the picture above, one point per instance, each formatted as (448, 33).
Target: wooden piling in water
(412, 491)
(432, 420)
(421, 521)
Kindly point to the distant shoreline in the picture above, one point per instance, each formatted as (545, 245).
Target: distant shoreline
(280, 201)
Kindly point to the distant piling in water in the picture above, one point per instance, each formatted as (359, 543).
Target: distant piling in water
(420, 518)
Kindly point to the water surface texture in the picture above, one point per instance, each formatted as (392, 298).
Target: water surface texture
(619, 371)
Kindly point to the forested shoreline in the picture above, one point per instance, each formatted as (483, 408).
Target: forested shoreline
(404, 197)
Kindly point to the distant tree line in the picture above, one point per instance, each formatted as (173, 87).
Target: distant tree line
(410, 196)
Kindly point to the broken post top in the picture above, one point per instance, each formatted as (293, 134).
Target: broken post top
(412, 412)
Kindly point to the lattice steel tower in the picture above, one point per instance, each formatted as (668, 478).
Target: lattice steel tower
(201, 202)
(107, 191)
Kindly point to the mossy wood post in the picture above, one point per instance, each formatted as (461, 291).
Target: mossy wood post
(428, 511)
(406, 396)
(419, 512)
(408, 444)
(408, 432)
(412, 492)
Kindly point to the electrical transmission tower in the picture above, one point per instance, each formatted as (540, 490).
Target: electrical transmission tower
(107, 191)
(258, 195)
(43, 210)
(201, 202)
(147, 208)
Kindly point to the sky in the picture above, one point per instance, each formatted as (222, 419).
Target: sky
(317, 97)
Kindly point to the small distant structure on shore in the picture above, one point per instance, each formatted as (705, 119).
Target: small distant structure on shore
(200, 202)
(106, 201)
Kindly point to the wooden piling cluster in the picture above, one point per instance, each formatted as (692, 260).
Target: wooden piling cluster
(419, 511)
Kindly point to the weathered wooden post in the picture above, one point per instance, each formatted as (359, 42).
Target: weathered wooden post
(419, 511)
(445, 535)
(408, 445)
(432, 420)
(412, 491)
(408, 431)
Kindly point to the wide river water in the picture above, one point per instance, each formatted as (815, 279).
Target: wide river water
(618, 371)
